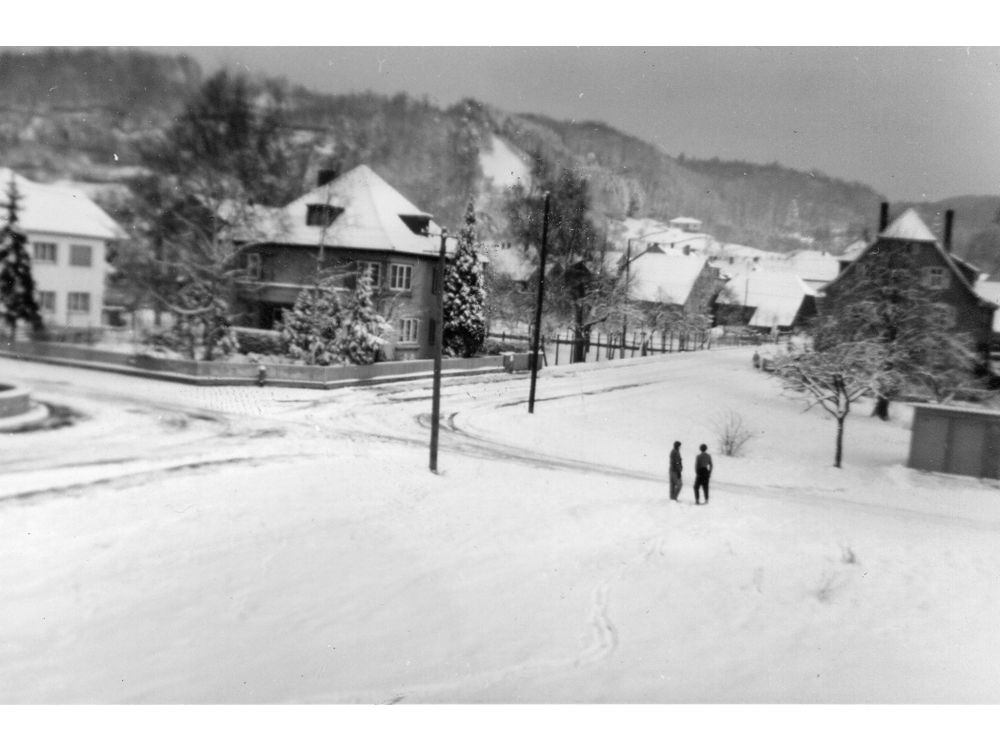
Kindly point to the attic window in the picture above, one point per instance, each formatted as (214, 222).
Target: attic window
(322, 215)
(934, 277)
(416, 224)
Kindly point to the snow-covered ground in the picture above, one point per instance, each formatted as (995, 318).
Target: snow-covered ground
(202, 545)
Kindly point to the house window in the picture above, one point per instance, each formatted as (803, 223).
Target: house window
(253, 265)
(432, 332)
(47, 302)
(400, 277)
(417, 224)
(944, 315)
(322, 215)
(373, 271)
(80, 255)
(934, 277)
(78, 302)
(44, 252)
(408, 330)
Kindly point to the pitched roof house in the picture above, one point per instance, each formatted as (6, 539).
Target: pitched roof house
(67, 236)
(769, 299)
(362, 224)
(682, 281)
(949, 280)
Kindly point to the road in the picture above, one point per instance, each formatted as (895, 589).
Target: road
(181, 544)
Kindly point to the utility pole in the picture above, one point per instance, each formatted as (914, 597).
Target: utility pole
(438, 347)
(538, 307)
(628, 265)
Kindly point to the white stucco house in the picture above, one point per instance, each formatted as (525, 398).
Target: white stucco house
(68, 237)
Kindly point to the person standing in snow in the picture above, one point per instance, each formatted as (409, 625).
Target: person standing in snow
(675, 471)
(702, 472)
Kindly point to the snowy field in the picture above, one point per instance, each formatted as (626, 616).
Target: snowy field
(196, 545)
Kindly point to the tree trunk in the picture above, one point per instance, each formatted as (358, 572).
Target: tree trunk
(881, 409)
(579, 346)
(840, 442)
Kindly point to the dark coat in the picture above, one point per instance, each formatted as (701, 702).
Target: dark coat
(675, 461)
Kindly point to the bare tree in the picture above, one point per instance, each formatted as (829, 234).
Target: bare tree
(833, 378)
(733, 432)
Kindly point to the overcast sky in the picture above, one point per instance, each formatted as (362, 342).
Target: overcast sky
(915, 123)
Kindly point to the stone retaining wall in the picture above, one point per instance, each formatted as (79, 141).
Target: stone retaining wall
(14, 401)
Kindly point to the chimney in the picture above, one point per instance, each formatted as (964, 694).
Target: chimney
(325, 176)
(883, 217)
(949, 221)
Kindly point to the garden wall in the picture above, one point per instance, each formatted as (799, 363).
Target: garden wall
(233, 373)
(14, 401)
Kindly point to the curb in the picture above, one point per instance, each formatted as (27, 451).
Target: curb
(36, 415)
(208, 381)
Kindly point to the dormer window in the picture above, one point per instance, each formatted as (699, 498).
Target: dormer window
(934, 277)
(321, 215)
(417, 224)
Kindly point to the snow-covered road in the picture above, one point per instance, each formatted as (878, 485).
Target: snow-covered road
(268, 545)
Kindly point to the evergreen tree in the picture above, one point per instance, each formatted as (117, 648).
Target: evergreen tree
(464, 313)
(362, 328)
(309, 331)
(17, 285)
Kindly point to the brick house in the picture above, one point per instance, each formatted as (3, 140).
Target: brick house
(363, 224)
(949, 280)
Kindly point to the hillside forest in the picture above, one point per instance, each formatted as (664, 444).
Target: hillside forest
(90, 116)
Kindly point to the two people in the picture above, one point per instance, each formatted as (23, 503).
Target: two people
(702, 473)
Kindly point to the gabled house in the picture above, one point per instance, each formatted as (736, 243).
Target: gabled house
(354, 223)
(949, 281)
(767, 300)
(685, 224)
(68, 236)
(687, 283)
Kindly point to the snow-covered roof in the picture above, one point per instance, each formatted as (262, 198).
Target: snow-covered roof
(990, 291)
(685, 220)
(508, 261)
(909, 226)
(742, 252)
(645, 231)
(57, 210)
(852, 251)
(776, 295)
(370, 217)
(664, 278)
(813, 265)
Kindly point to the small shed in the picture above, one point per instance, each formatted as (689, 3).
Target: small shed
(955, 440)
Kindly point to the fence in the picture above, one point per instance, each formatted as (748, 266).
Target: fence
(642, 343)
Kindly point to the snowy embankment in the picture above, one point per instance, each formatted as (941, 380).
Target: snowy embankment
(545, 563)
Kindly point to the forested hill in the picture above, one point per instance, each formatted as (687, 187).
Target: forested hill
(80, 114)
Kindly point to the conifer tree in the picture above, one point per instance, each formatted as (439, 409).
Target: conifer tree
(310, 330)
(362, 328)
(17, 285)
(464, 302)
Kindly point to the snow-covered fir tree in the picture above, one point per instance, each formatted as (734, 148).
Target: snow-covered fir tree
(464, 303)
(310, 330)
(17, 285)
(362, 331)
